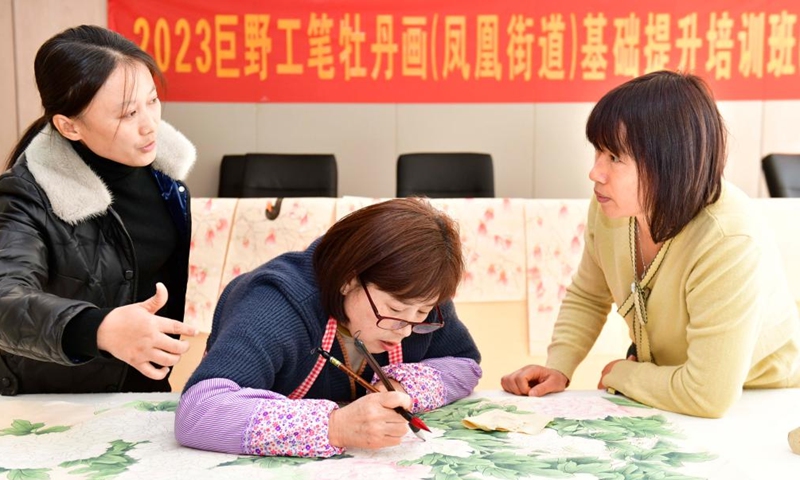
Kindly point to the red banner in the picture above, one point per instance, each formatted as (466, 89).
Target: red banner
(459, 51)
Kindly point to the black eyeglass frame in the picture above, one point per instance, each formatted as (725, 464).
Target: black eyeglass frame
(419, 328)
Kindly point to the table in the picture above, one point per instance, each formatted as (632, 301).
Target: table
(594, 435)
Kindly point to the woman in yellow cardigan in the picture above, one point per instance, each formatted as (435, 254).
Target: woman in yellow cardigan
(681, 252)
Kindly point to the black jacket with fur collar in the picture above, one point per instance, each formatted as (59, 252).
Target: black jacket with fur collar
(63, 249)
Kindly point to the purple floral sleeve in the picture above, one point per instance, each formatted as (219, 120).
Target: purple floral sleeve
(435, 381)
(295, 428)
(218, 415)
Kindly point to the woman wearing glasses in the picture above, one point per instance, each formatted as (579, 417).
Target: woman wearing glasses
(386, 274)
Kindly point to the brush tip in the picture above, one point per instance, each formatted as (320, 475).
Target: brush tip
(420, 424)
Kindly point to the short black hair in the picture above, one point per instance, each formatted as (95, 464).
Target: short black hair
(669, 124)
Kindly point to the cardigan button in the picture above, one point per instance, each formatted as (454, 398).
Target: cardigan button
(128, 274)
(6, 382)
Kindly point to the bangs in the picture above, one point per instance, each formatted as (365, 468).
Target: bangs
(432, 267)
(438, 284)
(606, 126)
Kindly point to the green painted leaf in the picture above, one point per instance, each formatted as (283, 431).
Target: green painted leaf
(626, 402)
(21, 427)
(678, 459)
(29, 474)
(145, 406)
(110, 459)
(112, 462)
(56, 429)
(26, 425)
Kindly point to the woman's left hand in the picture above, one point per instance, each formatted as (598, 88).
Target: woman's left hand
(607, 369)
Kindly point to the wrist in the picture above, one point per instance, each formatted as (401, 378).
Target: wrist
(333, 432)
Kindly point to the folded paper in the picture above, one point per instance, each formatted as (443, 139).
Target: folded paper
(502, 421)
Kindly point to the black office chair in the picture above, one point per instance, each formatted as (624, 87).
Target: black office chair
(782, 171)
(278, 175)
(445, 175)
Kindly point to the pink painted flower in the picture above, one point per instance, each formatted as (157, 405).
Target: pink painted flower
(576, 244)
(534, 273)
(562, 291)
(566, 270)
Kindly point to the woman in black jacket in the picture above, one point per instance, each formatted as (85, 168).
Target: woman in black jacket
(94, 226)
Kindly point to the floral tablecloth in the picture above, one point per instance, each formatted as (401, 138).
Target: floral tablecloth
(131, 436)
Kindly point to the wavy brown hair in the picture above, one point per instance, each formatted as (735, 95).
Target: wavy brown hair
(404, 246)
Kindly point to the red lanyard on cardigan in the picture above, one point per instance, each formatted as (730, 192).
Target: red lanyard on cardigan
(395, 356)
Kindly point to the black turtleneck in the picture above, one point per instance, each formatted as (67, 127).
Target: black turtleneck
(137, 201)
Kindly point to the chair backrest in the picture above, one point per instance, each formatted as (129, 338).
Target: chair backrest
(782, 172)
(278, 175)
(445, 175)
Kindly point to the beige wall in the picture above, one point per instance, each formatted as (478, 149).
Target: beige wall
(24, 26)
(8, 84)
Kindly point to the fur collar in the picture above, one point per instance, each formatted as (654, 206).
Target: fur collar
(75, 192)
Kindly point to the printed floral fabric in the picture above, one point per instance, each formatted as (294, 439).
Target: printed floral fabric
(493, 242)
(211, 229)
(290, 428)
(256, 239)
(422, 383)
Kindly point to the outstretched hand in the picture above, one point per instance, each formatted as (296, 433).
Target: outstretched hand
(140, 338)
(534, 381)
(370, 421)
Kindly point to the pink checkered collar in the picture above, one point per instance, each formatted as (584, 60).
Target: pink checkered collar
(395, 356)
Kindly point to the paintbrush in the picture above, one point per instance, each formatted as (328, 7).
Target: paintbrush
(379, 372)
(413, 422)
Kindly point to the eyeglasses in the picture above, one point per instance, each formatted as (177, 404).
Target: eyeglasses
(391, 323)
